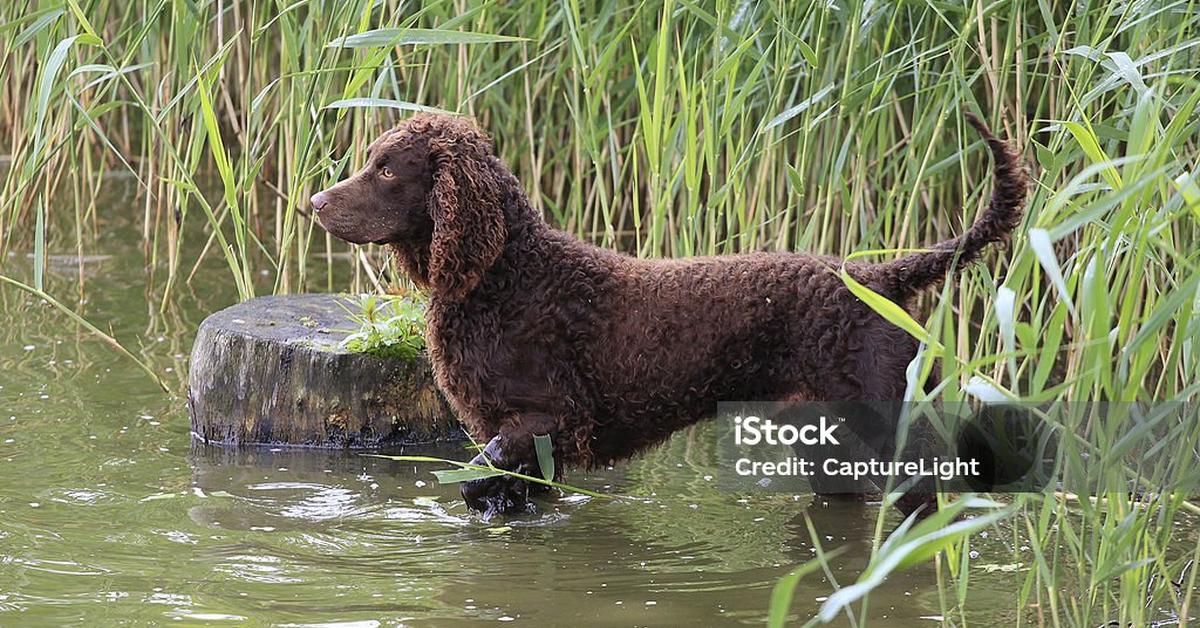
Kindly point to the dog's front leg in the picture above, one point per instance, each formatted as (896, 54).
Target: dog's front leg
(513, 450)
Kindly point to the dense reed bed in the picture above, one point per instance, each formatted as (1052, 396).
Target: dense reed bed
(671, 128)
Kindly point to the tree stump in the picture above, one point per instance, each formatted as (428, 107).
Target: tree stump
(270, 371)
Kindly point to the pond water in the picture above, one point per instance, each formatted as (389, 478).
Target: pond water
(109, 513)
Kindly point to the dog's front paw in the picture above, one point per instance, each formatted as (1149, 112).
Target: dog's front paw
(497, 495)
(501, 494)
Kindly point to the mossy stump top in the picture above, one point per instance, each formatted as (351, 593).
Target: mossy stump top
(270, 371)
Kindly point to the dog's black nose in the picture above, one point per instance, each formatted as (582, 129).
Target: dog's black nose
(319, 201)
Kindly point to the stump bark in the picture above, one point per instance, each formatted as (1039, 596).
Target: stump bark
(270, 371)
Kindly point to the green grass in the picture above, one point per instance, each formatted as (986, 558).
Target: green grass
(670, 128)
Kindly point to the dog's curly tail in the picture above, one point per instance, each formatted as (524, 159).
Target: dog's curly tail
(913, 273)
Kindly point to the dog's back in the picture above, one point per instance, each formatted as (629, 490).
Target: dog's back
(660, 342)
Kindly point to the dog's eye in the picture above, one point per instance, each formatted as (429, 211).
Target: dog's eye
(386, 172)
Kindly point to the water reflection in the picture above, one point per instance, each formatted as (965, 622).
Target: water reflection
(390, 526)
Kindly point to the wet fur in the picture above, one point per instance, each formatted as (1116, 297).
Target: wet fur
(532, 331)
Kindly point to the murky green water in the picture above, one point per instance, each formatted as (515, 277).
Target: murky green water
(109, 514)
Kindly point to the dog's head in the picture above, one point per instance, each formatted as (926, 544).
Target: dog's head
(431, 189)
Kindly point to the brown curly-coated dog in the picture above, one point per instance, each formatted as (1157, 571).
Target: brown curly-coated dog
(532, 331)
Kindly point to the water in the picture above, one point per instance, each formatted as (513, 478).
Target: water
(109, 514)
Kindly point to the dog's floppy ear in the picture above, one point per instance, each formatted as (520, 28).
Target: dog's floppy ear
(468, 222)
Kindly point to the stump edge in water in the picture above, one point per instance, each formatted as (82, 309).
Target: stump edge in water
(270, 371)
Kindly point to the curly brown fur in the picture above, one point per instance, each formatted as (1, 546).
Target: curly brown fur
(531, 331)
